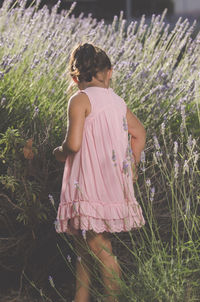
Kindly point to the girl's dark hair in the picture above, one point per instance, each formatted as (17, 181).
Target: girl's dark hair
(86, 60)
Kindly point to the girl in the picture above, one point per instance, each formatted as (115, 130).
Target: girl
(97, 196)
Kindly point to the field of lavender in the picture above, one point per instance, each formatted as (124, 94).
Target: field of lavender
(157, 72)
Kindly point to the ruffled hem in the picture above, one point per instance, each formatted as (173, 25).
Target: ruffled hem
(98, 225)
(116, 217)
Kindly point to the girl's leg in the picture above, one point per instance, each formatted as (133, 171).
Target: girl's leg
(82, 270)
(101, 246)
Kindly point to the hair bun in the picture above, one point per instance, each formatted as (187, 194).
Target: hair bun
(88, 53)
(86, 60)
(88, 48)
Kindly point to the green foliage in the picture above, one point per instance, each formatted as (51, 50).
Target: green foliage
(157, 73)
(9, 182)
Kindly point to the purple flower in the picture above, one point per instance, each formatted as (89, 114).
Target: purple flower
(182, 128)
(163, 128)
(125, 167)
(191, 142)
(156, 143)
(152, 193)
(176, 166)
(56, 224)
(148, 182)
(36, 111)
(51, 199)
(125, 125)
(73, 6)
(79, 258)
(51, 281)
(3, 100)
(185, 167)
(143, 157)
(144, 74)
(183, 114)
(76, 184)
(158, 154)
(113, 155)
(175, 149)
(196, 157)
(129, 153)
(69, 259)
(84, 234)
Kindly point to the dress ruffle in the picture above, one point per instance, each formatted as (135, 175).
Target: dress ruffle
(99, 217)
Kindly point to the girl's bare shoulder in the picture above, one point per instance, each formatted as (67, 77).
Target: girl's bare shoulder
(79, 102)
(79, 99)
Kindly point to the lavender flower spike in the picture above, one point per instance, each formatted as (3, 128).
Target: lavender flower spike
(113, 155)
(176, 166)
(125, 167)
(175, 149)
(185, 167)
(114, 158)
(84, 234)
(51, 199)
(76, 184)
(3, 100)
(125, 126)
(196, 157)
(163, 128)
(51, 281)
(148, 182)
(56, 224)
(143, 157)
(152, 193)
(156, 143)
(69, 259)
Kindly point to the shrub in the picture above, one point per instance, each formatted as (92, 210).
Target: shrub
(156, 71)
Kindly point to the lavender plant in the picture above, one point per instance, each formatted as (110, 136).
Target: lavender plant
(156, 71)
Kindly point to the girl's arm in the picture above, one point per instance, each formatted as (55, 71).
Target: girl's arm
(76, 118)
(138, 134)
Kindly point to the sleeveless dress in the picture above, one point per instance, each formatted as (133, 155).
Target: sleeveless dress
(97, 189)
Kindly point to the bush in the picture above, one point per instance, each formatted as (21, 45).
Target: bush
(157, 73)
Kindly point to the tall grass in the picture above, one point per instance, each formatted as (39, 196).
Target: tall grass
(156, 71)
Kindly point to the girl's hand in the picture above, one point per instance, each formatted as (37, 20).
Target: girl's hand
(59, 154)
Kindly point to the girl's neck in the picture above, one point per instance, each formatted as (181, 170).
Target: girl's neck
(82, 87)
(93, 83)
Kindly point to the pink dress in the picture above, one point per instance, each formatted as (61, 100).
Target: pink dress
(97, 189)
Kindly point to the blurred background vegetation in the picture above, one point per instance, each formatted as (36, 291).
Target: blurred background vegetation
(107, 9)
